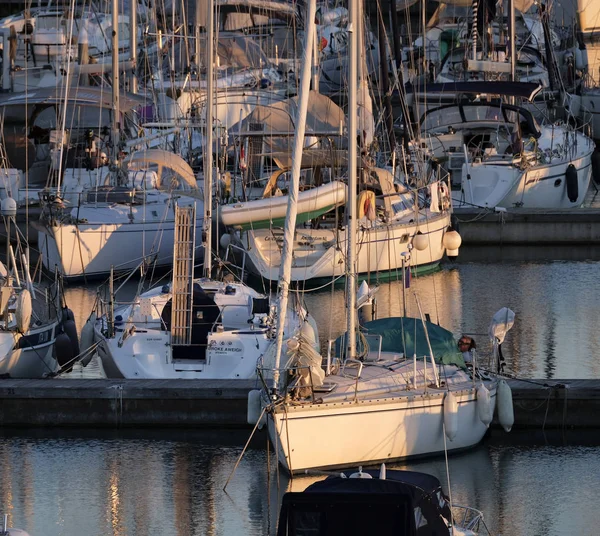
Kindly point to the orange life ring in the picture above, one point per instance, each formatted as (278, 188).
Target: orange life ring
(366, 203)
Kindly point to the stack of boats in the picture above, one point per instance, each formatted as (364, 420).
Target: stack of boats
(108, 168)
(297, 186)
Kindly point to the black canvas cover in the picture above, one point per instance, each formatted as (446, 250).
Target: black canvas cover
(405, 503)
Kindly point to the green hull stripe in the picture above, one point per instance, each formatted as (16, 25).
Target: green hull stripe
(279, 222)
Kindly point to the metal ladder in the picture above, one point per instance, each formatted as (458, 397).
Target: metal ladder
(183, 275)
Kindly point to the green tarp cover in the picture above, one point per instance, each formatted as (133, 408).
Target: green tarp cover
(400, 334)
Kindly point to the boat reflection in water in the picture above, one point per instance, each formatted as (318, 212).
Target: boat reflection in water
(171, 482)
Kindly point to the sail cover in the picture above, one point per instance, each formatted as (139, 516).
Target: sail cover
(277, 121)
(407, 336)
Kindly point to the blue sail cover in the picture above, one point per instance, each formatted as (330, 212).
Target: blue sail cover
(407, 336)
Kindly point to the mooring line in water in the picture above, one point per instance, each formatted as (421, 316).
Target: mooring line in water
(245, 447)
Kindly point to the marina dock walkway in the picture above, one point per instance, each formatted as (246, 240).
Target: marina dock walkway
(117, 403)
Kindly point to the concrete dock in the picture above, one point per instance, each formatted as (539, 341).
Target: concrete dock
(527, 226)
(547, 404)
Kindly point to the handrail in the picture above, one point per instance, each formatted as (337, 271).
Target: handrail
(288, 382)
(476, 520)
(353, 363)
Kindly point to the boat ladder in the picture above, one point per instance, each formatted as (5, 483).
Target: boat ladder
(183, 275)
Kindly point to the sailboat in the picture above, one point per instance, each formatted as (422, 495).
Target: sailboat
(191, 328)
(30, 315)
(500, 156)
(116, 208)
(497, 152)
(374, 406)
(397, 224)
(40, 42)
(194, 328)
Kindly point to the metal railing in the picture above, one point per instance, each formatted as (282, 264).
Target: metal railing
(294, 382)
(468, 518)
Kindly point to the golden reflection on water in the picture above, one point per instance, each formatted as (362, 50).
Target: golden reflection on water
(115, 514)
(28, 480)
(182, 492)
(174, 486)
(6, 493)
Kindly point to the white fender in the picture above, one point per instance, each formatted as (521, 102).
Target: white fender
(87, 337)
(506, 414)
(452, 241)
(450, 415)
(581, 59)
(23, 311)
(484, 405)
(255, 409)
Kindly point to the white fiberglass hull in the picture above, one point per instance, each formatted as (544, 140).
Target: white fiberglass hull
(540, 186)
(349, 434)
(321, 253)
(141, 347)
(148, 356)
(89, 250)
(31, 359)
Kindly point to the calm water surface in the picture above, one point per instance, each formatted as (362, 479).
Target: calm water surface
(171, 482)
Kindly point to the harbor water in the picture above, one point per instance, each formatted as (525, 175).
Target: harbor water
(141, 482)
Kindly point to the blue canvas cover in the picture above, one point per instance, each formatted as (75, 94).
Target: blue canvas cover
(406, 335)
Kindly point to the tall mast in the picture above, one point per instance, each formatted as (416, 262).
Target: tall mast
(208, 163)
(292, 207)
(116, 108)
(354, 28)
(133, 44)
(512, 34)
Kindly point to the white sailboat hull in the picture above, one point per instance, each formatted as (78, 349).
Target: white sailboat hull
(149, 356)
(90, 249)
(33, 361)
(320, 253)
(326, 436)
(540, 186)
(142, 347)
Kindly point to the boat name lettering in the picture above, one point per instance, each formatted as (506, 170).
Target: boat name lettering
(220, 349)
